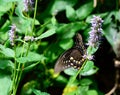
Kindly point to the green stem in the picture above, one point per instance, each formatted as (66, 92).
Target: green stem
(33, 24)
(11, 12)
(18, 71)
(75, 76)
(34, 16)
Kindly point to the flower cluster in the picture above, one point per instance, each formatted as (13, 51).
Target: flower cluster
(12, 32)
(28, 5)
(96, 31)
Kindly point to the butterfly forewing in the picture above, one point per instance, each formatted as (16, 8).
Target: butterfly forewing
(72, 57)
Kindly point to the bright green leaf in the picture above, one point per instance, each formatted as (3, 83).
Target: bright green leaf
(91, 50)
(4, 7)
(31, 57)
(60, 5)
(70, 71)
(7, 51)
(19, 9)
(66, 43)
(89, 65)
(48, 33)
(54, 21)
(92, 92)
(84, 10)
(61, 79)
(70, 13)
(90, 72)
(5, 82)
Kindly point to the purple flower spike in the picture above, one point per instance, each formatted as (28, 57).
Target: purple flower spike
(96, 31)
(28, 5)
(12, 34)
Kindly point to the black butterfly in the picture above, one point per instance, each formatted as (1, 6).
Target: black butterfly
(72, 57)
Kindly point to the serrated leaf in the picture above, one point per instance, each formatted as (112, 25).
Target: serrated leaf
(84, 10)
(70, 13)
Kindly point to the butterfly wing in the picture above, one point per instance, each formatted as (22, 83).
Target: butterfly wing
(72, 57)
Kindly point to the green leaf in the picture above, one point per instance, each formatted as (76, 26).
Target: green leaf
(91, 50)
(4, 7)
(61, 79)
(48, 33)
(108, 19)
(5, 82)
(28, 87)
(24, 25)
(59, 5)
(92, 92)
(66, 43)
(88, 66)
(70, 71)
(109, 34)
(66, 31)
(31, 57)
(90, 72)
(6, 63)
(84, 10)
(70, 13)
(19, 8)
(82, 90)
(85, 81)
(38, 92)
(54, 21)
(7, 51)
(30, 67)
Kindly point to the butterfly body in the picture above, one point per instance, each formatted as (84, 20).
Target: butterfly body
(72, 57)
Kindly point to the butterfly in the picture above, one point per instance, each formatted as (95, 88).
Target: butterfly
(72, 57)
